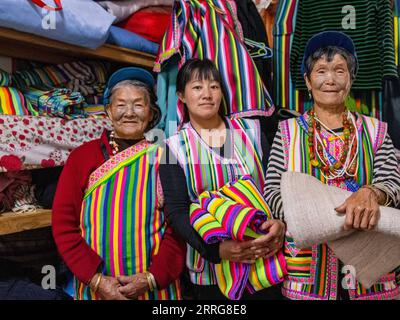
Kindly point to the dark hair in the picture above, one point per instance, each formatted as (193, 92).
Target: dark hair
(196, 68)
(329, 52)
(149, 94)
(199, 69)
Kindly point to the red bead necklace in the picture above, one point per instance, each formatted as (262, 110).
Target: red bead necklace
(316, 147)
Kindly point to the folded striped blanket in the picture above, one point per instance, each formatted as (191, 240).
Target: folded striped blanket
(59, 102)
(237, 211)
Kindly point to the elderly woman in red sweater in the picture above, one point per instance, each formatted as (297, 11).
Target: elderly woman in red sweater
(108, 221)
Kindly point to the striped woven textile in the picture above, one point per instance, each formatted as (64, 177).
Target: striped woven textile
(13, 102)
(209, 29)
(121, 219)
(285, 21)
(236, 211)
(62, 103)
(396, 30)
(5, 79)
(95, 111)
(372, 35)
(80, 75)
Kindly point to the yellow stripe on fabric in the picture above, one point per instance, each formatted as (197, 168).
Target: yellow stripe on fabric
(117, 168)
(220, 276)
(98, 209)
(204, 221)
(283, 75)
(215, 204)
(257, 274)
(3, 103)
(251, 194)
(92, 213)
(16, 102)
(117, 213)
(137, 222)
(81, 229)
(189, 157)
(293, 146)
(396, 40)
(156, 245)
(144, 195)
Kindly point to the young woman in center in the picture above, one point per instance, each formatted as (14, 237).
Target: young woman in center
(209, 151)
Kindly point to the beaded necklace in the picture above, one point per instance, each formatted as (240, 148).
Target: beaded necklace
(113, 143)
(331, 168)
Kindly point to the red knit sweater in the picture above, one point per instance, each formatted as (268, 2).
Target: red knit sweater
(166, 266)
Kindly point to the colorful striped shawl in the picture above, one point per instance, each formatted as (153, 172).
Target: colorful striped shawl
(205, 170)
(313, 272)
(236, 211)
(284, 26)
(207, 29)
(121, 218)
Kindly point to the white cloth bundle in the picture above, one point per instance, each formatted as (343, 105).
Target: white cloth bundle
(309, 207)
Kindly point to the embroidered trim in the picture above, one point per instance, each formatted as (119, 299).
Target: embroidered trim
(284, 126)
(380, 137)
(114, 161)
(298, 295)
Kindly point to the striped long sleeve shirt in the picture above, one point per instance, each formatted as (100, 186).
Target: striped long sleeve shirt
(386, 175)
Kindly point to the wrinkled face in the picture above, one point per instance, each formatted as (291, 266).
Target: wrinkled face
(202, 98)
(129, 112)
(329, 82)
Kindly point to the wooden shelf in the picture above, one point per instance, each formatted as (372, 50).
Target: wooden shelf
(11, 222)
(28, 46)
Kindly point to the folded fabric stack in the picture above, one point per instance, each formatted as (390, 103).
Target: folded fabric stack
(62, 90)
(77, 76)
(139, 24)
(62, 103)
(237, 211)
(95, 111)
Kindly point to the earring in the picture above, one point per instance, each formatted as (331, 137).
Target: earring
(309, 95)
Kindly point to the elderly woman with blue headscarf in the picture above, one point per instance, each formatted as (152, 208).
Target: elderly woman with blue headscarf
(108, 219)
(342, 149)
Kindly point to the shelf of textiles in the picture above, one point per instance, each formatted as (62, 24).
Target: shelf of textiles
(48, 110)
(28, 46)
(13, 222)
